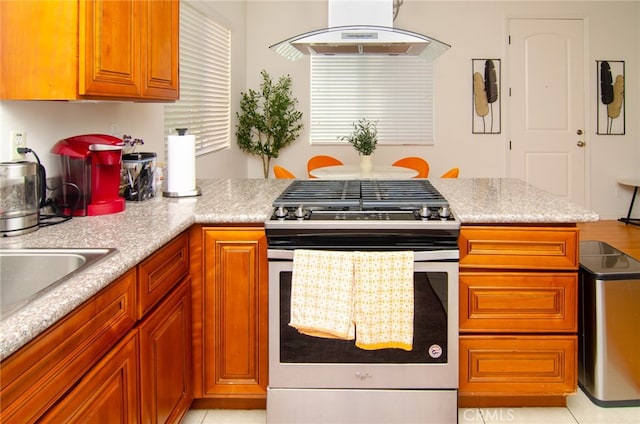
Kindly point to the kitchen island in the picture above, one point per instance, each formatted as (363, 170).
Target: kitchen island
(146, 226)
(156, 240)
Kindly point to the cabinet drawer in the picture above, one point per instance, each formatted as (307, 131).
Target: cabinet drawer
(34, 377)
(554, 248)
(160, 272)
(518, 302)
(520, 365)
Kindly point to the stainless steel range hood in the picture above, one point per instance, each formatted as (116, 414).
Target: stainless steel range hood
(369, 33)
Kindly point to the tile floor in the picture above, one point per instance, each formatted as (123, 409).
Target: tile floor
(579, 410)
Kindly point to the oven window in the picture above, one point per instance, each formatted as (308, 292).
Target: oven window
(429, 335)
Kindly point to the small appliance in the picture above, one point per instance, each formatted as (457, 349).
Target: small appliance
(20, 197)
(90, 167)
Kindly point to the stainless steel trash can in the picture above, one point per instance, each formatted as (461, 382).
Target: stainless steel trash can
(609, 325)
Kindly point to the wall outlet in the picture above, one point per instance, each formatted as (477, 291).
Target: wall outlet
(18, 139)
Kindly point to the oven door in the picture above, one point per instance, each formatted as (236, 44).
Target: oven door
(301, 361)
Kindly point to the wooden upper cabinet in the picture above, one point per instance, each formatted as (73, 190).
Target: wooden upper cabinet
(160, 26)
(110, 55)
(93, 49)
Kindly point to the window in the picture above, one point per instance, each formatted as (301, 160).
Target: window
(397, 92)
(205, 82)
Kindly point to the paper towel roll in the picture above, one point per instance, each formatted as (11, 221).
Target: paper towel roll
(181, 163)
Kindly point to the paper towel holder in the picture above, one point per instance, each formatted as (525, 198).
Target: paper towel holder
(182, 193)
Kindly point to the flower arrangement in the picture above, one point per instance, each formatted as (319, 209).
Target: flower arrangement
(364, 137)
(130, 143)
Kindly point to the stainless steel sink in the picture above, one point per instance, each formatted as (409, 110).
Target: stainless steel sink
(26, 273)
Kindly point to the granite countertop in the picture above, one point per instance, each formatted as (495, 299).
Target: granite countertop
(146, 226)
(507, 201)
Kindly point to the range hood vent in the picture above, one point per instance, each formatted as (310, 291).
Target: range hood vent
(373, 34)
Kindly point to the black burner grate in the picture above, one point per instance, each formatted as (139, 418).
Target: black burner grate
(405, 194)
(361, 194)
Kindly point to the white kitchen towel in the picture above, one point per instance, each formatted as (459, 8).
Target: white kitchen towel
(322, 294)
(384, 299)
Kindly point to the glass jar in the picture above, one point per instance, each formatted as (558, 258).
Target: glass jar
(137, 180)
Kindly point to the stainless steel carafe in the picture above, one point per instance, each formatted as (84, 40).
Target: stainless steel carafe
(19, 197)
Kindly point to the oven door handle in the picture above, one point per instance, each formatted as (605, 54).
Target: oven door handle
(421, 256)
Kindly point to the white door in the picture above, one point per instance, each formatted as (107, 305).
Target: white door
(546, 62)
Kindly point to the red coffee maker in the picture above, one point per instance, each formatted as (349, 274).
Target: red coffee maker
(90, 168)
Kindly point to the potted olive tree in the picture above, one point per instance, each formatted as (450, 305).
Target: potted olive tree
(364, 139)
(268, 120)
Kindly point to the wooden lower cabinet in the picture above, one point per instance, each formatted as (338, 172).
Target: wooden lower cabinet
(106, 394)
(530, 302)
(518, 315)
(230, 316)
(518, 365)
(41, 372)
(124, 356)
(165, 359)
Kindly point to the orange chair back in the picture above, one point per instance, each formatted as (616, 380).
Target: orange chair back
(281, 172)
(320, 161)
(414, 162)
(452, 173)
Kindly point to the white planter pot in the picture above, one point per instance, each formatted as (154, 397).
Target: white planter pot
(365, 164)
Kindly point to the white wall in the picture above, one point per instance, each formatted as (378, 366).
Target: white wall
(475, 29)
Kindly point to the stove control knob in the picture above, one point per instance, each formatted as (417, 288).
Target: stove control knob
(424, 212)
(281, 212)
(299, 213)
(444, 212)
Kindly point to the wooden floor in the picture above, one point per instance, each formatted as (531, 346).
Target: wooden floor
(619, 235)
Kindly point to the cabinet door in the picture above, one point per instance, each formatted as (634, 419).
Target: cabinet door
(30, 32)
(160, 50)
(106, 394)
(109, 37)
(165, 358)
(235, 313)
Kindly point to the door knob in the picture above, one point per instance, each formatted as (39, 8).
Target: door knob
(579, 132)
(580, 143)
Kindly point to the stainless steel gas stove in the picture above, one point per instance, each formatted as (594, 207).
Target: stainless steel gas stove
(315, 379)
(368, 214)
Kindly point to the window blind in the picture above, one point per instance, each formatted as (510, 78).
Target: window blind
(396, 92)
(205, 82)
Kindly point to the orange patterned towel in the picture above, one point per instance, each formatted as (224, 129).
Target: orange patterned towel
(322, 294)
(384, 300)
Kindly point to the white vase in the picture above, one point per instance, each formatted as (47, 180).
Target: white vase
(365, 164)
